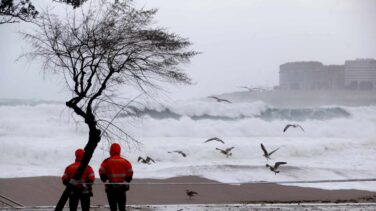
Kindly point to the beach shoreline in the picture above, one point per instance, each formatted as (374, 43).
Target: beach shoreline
(46, 190)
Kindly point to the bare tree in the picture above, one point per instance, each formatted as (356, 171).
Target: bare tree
(12, 11)
(100, 50)
(74, 3)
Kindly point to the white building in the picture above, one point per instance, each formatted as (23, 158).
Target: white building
(360, 74)
(311, 76)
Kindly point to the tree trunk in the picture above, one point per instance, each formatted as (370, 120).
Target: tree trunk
(94, 139)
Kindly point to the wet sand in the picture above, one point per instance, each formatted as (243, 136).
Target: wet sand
(45, 191)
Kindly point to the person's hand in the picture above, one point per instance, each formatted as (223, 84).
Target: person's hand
(73, 182)
(66, 182)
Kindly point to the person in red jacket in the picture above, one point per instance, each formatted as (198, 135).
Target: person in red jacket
(81, 191)
(118, 170)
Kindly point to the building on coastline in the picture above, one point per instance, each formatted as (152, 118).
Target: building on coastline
(359, 74)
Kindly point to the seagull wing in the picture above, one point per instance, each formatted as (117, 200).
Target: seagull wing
(211, 139)
(181, 152)
(229, 149)
(301, 127)
(213, 97)
(278, 164)
(286, 127)
(150, 159)
(273, 151)
(263, 149)
(139, 158)
(219, 140)
(191, 192)
(227, 101)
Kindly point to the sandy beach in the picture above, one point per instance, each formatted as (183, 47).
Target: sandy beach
(45, 191)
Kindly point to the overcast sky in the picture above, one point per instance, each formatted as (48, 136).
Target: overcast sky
(243, 42)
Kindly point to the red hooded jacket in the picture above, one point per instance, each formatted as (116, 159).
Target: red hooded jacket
(87, 177)
(115, 168)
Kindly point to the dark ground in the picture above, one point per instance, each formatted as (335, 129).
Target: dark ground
(45, 191)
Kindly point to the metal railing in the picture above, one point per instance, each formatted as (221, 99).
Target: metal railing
(239, 183)
(8, 202)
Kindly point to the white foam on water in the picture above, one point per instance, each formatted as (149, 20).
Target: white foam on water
(41, 139)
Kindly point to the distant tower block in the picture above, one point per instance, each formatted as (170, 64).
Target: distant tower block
(311, 76)
(360, 74)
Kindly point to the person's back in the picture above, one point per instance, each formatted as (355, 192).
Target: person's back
(81, 191)
(116, 169)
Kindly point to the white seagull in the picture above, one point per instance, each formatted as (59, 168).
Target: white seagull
(226, 152)
(215, 139)
(180, 152)
(220, 99)
(266, 153)
(190, 193)
(294, 126)
(275, 167)
(147, 160)
(251, 89)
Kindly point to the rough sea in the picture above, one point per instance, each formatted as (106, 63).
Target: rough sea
(39, 138)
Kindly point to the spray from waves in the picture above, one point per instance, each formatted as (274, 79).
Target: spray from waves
(269, 114)
(197, 118)
(25, 102)
(24, 118)
(202, 110)
(40, 139)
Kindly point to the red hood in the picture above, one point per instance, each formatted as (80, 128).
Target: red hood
(115, 149)
(79, 154)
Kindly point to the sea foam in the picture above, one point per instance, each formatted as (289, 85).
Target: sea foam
(40, 139)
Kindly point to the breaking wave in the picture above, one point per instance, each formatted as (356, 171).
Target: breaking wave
(39, 137)
(197, 118)
(268, 114)
(203, 110)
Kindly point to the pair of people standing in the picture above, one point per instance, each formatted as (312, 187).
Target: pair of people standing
(115, 169)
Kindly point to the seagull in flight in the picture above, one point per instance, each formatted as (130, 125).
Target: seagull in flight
(275, 167)
(147, 160)
(215, 139)
(190, 193)
(251, 89)
(180, 152)
(226, 152)
(266, 153)
(294, 126)
(220, 99)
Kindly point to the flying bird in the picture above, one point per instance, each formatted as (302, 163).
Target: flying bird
(180, 152)
(220, 99)
(147, 160)
(294, 126)
(215, 139)
(190, 193)
(251, 89)
(266, 153)
(226, 152)
(275, 167)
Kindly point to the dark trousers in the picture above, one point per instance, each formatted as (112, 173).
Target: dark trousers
(74, 198)
(117, 198)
